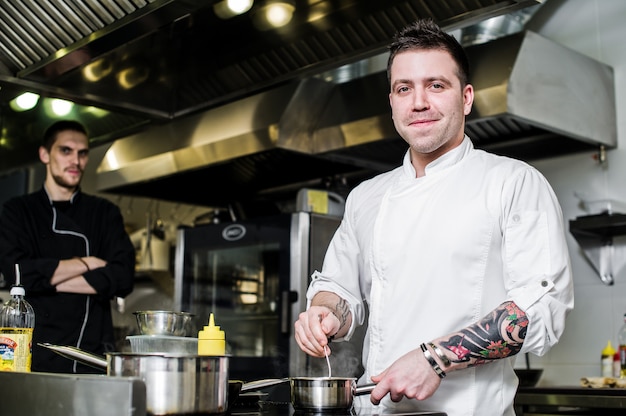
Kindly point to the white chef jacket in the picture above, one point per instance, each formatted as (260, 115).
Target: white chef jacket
(435, 254)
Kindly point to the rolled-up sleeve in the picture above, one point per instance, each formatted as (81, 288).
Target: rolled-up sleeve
(341, 272)
(536, 258)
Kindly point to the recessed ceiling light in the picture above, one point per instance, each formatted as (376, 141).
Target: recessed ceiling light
(226, 9)
(24, 101)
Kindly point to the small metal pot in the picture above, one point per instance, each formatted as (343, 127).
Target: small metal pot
(313, 393)
(325, 393)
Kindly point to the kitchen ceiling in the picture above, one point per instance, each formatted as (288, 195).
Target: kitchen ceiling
(131, 64)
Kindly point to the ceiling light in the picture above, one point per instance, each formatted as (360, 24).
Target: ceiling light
(24, 101)
(279, 13)
(97, 70)
(61, 107)
(130, 77)
(226, 9)
(274, 14)
(95, 111)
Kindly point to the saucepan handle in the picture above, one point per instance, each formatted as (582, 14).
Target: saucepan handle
(364, 389)
(77, 354)
(259, 384)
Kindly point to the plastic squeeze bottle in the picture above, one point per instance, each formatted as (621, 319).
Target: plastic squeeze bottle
(17, 320)
(607, 360)
(211, 339)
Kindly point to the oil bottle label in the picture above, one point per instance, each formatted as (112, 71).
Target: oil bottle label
(622, 356)
(15, 349)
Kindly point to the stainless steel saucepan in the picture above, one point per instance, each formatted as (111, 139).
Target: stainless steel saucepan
(175, 384)
(315, 393)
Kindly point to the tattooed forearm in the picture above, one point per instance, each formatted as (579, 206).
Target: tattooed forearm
(342, 311)
(498, 335)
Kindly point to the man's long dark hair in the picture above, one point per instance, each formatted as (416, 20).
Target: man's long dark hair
(426, 34)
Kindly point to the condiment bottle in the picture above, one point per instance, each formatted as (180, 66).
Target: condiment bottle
(607, 360)
(622, 348)
(211, 339)
(17, 320)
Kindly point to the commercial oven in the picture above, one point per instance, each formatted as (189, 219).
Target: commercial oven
(252, 275)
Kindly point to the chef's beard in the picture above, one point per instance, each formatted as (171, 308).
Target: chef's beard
(60, 181)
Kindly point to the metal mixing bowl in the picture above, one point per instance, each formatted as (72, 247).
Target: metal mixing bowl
(163, 322)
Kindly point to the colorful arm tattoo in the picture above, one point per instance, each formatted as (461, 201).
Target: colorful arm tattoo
(500, 334)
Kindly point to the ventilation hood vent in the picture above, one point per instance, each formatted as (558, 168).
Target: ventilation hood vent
(533, 95)
(533, 99)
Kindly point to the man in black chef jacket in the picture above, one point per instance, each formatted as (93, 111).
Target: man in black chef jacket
(73, 252)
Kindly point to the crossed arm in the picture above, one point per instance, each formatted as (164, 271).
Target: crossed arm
(68, 276)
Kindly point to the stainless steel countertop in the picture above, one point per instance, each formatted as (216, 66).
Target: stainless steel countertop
(47, 394)
(558, 400)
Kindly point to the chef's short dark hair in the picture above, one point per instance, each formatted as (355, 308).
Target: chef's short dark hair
(425, 34)
(57, 127)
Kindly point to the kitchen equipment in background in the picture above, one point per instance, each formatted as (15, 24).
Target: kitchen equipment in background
(528, 377)
(601, 235)
(163, 322)
(153, 253)
(320, 201)
(552, 401)
(253, 275)
(162, 343)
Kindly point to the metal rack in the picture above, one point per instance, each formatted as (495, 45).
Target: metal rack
(602, 238)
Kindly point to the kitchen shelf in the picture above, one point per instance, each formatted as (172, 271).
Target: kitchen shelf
(602, 226)
(601, 237)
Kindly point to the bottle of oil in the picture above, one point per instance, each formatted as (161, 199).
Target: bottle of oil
(17, 320)
(622, 349)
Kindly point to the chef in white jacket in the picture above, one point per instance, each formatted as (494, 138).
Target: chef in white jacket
(459, 254)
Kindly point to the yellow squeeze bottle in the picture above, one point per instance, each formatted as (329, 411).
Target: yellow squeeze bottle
(607, 360)
(211, 340)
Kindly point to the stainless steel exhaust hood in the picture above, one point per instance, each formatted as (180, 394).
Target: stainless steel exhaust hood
(534, 99)
(530, 90)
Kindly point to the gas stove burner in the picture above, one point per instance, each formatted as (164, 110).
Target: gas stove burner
(325, 412)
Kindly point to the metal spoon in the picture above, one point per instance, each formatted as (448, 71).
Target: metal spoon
(326, 352)
(327, 361)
